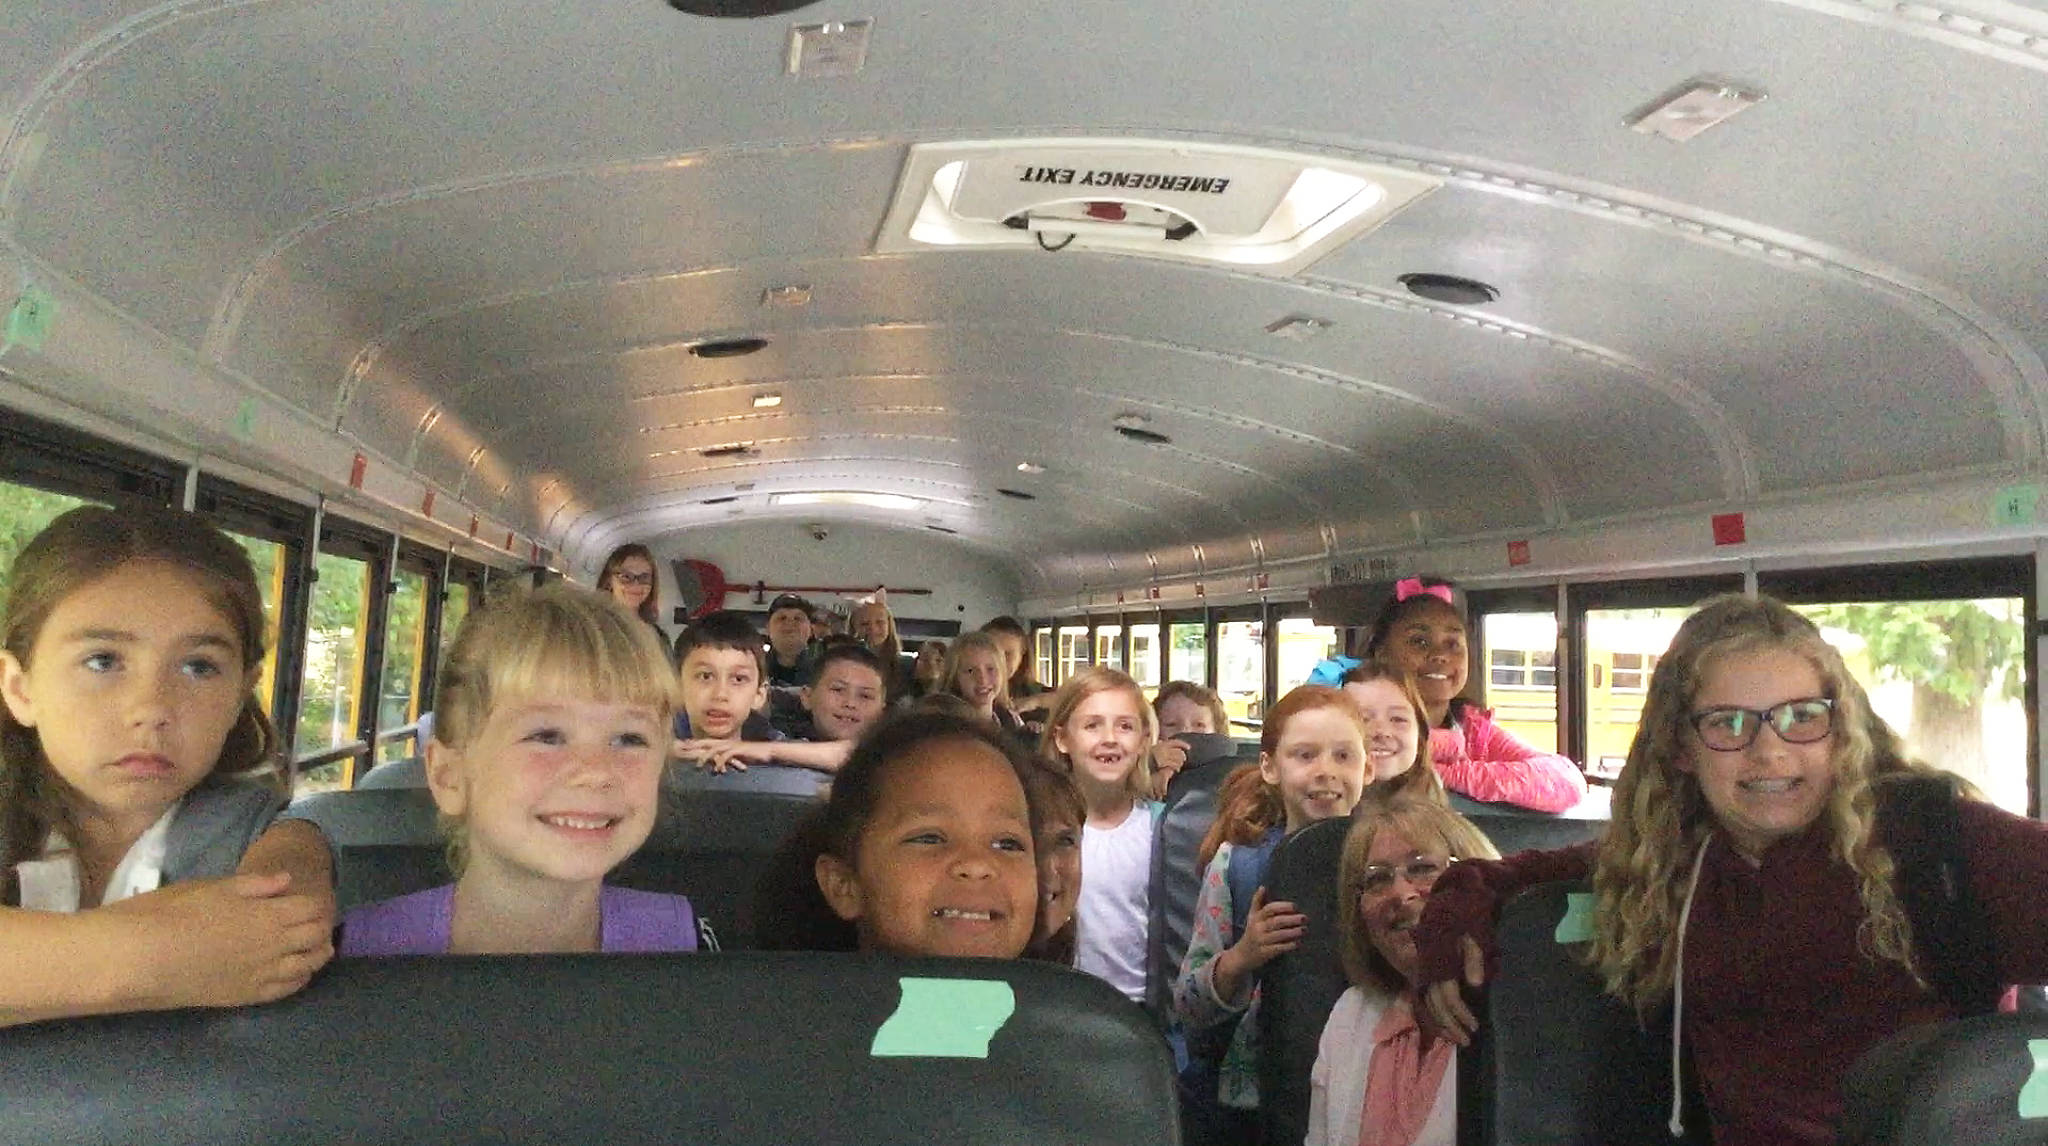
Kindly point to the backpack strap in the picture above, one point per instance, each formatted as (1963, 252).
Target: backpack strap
(1245, 872)
(1952, 938)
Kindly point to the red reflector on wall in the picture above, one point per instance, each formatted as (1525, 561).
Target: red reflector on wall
(1518, 553)
(1728, 529)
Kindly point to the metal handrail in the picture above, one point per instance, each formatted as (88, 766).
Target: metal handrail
(329, 756)
(402, 732)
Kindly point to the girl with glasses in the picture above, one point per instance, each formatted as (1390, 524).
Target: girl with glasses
(629, 576)
(1380, 1077)
(1755, 833)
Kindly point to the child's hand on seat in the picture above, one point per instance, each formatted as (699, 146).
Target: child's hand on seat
(725, 755)
(1168, 757)
(1270, 931)
(223, 942)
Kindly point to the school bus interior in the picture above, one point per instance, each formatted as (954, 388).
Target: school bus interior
(1166, 327)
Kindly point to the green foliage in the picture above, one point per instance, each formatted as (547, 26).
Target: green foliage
(1957, 648)
(24, 511)
(333, 650)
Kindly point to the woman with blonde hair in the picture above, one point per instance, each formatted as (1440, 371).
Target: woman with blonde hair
(1750, 878)
(1378, 1076)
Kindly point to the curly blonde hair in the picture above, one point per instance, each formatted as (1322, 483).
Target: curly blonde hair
(1661, 817)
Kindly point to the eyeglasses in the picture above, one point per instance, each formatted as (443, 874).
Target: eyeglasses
(1730, 729)
(633, 578)
(1421, 872)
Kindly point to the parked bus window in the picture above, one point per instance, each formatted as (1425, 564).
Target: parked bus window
(24, 511)
(1188, 654)
(405, 632)
(1622, 646)
(1108, 650)
(1073, 649)
(1520, 686)
(1241, 670)
(334, 659)
(1041, 644)
(1144, 656)
(1949, 676)
(1303, 645)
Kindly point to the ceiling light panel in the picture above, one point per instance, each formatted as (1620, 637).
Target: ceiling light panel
(891, 501)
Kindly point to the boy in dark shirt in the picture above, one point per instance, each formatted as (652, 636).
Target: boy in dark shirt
(723, 665)
(792, 660)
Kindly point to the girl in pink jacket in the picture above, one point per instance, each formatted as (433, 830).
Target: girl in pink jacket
(1422, 631)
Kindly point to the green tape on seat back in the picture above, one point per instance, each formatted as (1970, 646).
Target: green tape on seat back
(2034, 1095)
(945, 1018)
(1577, 924)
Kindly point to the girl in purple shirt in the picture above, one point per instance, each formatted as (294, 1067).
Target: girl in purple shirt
(551, 727)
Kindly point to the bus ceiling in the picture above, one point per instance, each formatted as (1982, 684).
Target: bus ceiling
(1233, 295)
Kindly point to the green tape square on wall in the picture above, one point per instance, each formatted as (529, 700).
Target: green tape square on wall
(945, 1018)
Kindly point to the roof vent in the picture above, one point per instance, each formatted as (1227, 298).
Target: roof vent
(1245, 207)
(742, 9)
(728, 347)
(720, 500)
(1142, 435)
(1450, 289)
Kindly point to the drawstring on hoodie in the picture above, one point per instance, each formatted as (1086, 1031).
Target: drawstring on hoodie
(1692, 887)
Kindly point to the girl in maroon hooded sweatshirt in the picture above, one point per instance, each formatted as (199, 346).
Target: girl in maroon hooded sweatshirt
(1746, 877)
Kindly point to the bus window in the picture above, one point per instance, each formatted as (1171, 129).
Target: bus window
(1188, 653)
(405, 631)
(1241, 671)
(1949, 676)
(270, 559)
(1144, 657)
(1041, 643)
(453, 611)
(1108, 650)
(334, 659)
(1520, 686)
(1303, 645)
(1622, 647)
(24, 511)
(1073, 650)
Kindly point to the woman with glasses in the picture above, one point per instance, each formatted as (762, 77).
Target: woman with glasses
(1379, 1076)
(1763, 840)
(629, 576)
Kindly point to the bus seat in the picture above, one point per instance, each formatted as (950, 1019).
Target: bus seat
(1515, 829)
(767, 779)
(1975, 1080)
(1558, 1060)
(410, 772)
(1298, 989)
(708, 844)
(736, 1050)
(1190, 808)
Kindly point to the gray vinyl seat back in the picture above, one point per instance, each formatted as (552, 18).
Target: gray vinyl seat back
(1176, 881)
(708, 844)
(1558, 1060)
(1299, 989)
(711, 1050)
(1982, 1081)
